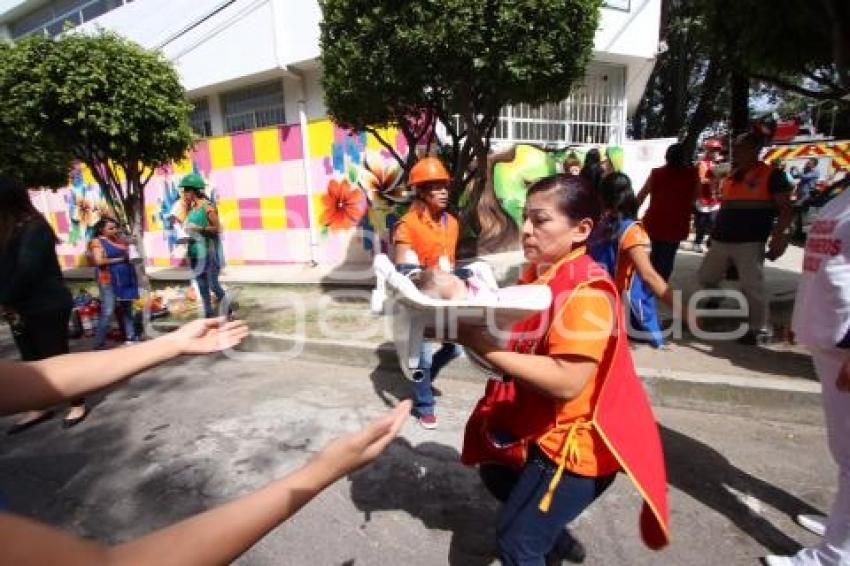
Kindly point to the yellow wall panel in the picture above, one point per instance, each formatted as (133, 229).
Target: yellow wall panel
(183, 167)
(273, 213)
(388, 134)
(267, 146)
(321, 134)
(221, 152)
(228, 214)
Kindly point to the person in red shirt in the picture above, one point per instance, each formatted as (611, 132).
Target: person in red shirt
(672, 190)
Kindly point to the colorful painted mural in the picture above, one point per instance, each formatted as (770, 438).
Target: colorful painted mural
(257, 179)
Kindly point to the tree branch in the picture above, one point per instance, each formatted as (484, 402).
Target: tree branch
(389, 147)
(789, 86)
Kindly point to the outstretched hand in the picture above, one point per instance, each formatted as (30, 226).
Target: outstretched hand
(354, 450)
(207, 335)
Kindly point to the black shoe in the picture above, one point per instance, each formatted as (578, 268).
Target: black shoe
(760, 338)
(21, 427)
(566, 548)
(68, 423)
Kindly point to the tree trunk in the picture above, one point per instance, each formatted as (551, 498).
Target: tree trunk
(740, 108)
(705, 111)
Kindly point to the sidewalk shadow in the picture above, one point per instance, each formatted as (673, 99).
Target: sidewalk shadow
(429, 483)
(707, 475)
(781, 284)
(388, 381)
(780, 362)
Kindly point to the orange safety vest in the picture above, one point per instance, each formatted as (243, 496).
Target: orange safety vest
(430, 238)
(622, 415)
(753, 190)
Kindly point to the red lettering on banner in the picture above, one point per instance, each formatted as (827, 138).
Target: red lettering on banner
(811, 264)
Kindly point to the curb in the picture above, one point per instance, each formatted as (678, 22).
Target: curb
(774, 398)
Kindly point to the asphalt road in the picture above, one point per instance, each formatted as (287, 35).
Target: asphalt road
(200, 431)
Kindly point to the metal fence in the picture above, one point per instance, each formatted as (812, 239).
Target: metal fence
(593, 113)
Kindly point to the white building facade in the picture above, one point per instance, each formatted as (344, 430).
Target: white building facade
(276, 162)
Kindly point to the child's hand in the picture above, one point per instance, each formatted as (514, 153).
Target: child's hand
(355, 450)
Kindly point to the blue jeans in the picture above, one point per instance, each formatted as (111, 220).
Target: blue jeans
(663, 256)
(430, 363)
(526, 534)
(208, 280)
(107, 308)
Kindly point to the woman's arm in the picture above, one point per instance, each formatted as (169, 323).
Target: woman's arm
(559, 376)
(644, 192)
(400, 253)
(99, 257)
(213, 225)
(217, 536)
(660, 288)
(35, 385)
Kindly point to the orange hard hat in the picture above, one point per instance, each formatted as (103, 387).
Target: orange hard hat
(428, 170)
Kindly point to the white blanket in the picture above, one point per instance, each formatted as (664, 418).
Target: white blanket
(415, 313)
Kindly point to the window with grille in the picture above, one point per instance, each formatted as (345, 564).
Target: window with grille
(54, 17)
(253, 107)
(593, 113)
(200, 117)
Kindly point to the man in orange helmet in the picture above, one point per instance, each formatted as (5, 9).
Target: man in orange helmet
(430, 233)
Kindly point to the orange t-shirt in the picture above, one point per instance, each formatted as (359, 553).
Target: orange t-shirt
(634, 236)
(428, 237)
(581, 327)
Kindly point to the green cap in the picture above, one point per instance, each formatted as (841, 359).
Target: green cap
(192, 181)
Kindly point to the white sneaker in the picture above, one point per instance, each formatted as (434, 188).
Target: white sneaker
(777, 561)
(813, 523)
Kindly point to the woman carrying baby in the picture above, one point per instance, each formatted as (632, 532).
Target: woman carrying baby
(571, 412)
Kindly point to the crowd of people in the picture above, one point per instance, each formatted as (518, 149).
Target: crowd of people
(569, 411)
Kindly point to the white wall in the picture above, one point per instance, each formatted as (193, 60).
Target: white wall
(297, 25)
(241, 47)
(633, 33)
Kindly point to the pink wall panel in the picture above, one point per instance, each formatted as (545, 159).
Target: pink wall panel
(243, 148)
(290, 142)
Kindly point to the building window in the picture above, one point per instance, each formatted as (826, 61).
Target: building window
(56, 16)
(253, 107)
(593, 113)
(200, 117)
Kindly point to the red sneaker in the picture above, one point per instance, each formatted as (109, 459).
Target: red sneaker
(428, 421)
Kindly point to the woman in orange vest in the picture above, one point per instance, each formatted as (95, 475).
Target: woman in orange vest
(571, 412)
(431, 233)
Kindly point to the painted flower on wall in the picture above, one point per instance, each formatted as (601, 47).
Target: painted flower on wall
(343, 207)
(380, 178)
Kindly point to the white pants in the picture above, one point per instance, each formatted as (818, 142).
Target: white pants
(748, 258)
(834, 549)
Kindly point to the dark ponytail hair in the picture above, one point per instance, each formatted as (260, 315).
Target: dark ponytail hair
(619, 201)
(574, 198)
(16, 209)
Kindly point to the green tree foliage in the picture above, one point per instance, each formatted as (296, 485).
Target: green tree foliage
(408, 64)
(721, 51)
(117, 107)
(27, 151)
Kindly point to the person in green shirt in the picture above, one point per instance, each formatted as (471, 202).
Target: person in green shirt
(204, 248)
